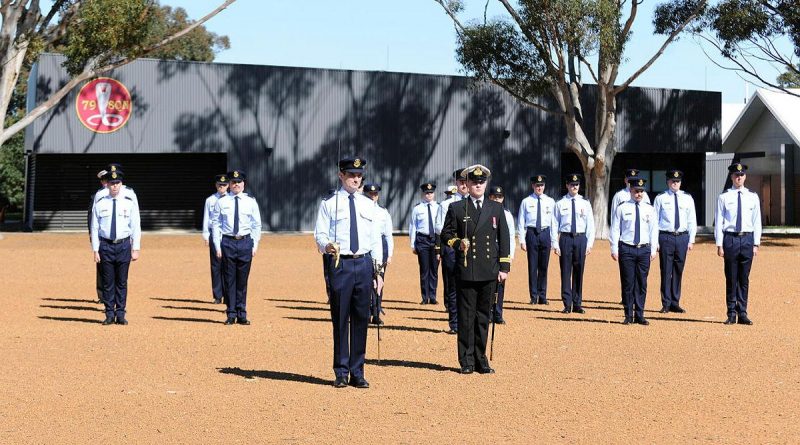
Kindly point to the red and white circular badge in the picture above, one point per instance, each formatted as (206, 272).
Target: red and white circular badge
(104, 105)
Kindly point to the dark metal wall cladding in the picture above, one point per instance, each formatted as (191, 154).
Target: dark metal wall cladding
(284, 126)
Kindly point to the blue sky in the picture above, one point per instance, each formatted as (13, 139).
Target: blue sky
(416, 36)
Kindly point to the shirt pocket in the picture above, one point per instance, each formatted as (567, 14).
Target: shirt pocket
(628, 216)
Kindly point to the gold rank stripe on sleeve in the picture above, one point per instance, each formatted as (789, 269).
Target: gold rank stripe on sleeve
(505, 259)
(452, 241)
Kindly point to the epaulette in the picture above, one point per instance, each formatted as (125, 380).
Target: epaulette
(129, 198)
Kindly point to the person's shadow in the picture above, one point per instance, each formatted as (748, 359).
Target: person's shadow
(275, 375)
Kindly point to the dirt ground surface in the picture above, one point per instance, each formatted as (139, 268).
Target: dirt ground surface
(176, 374)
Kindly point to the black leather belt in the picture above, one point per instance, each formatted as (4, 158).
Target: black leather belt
(737, 234)
(111, 241)
(543, 229)
(353, 257)
(236, 236)
(571, 235)
(667, 232)
(636, 246)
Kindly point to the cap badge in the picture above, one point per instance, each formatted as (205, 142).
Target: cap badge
(113, 168)
(223, 179)
(738, 167)
(574, 177)
(236, 174)
(539, 178)
(113, 175)
(477, 172)
(641, 182)
(429, 186)
(372, 188)
(357, 163)
(676, 174)
(634, 172)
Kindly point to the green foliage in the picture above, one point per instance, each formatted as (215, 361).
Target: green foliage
(198, 45)
(669, 16)
(790, 79)
(107, 30)
(12, 172)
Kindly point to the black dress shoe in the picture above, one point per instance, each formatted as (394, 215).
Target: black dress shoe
(433, 302)
(359, 382)
(642, 321)
(423, 302)
(340, 382)
(485, 370)
(628, 320)
(565, 311)
(467, 369)
(499, 321)
(677, 309)
(217, 301)
(122, 321)
(243, 321)
(376, 320)
(108, 321)
(452, 331)
(731, 319)
(579, 310)
(230, 321)
(544, 302)
(744, 320)
(533, 302)
(663, 310)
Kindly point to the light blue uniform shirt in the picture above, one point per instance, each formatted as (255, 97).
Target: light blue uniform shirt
(444, 206)
(665, 210)
(208, 214)
(385, 223)
(222, 219)
(562, 219)
(510, 224)
(128, 222)
(123, 192)
(332, 220)
(725, 220)
(419, 220)
(526, 217)
(623, 226)
(624, 195)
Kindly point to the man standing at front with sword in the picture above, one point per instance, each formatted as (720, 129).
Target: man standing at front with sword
(347, 227)
(476, 229)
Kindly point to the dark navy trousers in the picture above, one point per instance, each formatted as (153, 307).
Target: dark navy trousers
(237, 256)
(115, 260)
(538, 252)
(634, 265)
(351, 291)
(738, 252)
(449, 281)
(474, 310)
(425, 245)
(672, 258)
(572, 260)
(217, 278)
(327, 263)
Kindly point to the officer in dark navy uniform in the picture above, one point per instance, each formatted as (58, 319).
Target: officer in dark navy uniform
(348, 228)
(737, 233)
(116, 241)
(423, 231)
(476, 228)
(236, 224)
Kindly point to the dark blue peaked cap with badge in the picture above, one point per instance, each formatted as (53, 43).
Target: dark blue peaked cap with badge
(427, 187)
(538, 179)
(574, 178)
(114, 176)
(675, 175)
(372, 188)
(457, 174)
(352, 165)
(496, 190)
(637, 182)
(737, 168)
(221, 179)
(631, 172)
(236, 176)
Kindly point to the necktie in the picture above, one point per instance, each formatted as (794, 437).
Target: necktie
(236, 216)
(478, 205)
(353, 226)
(636, 227)
(430, 221)
(677, 214)
(738, 227)
(538, 213)
(114, 219)
(573, 222)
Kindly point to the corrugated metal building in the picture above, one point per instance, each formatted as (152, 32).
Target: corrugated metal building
(283, 126)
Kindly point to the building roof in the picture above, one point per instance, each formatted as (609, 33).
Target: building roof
(783, 107)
